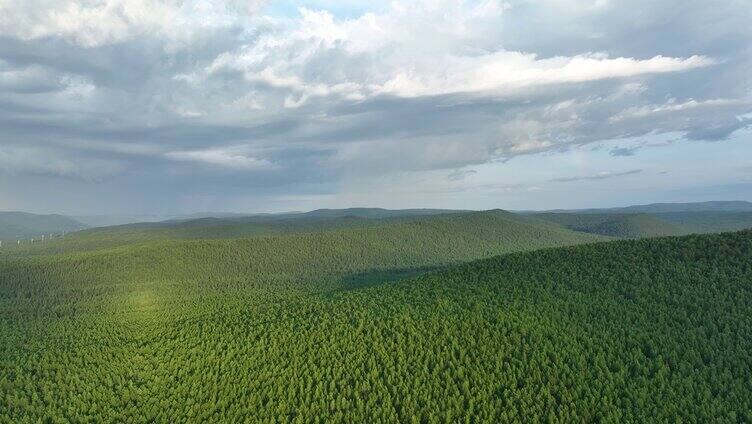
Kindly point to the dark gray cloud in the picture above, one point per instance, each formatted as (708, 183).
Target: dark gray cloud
(623, 151)
(461, 174)
(718, 130)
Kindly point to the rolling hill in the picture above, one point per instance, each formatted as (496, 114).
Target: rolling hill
(372, 213)
(16, 225)
(708, 222)
(653, 208)
(491, 230)
(615, 225)
(716, 206)
(335, 326)
(638, 225)
(119, 220)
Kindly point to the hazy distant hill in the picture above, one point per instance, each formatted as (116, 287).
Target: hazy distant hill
(725, 206)
(616, 225)
(14, 225)
(113, 220)
(658, 219)
(716, 206)
(709, 222)
(377, 212)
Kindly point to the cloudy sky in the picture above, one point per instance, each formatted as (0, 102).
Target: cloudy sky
(177, 106)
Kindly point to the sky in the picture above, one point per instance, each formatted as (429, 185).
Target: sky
(180, 106)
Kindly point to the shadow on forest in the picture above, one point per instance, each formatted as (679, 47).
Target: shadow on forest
(377, 277)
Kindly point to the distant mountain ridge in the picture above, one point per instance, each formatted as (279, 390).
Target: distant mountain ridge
(631, 221)
(17, 225)
(712, 206)
(372, 213)
(485, 233)
(358, 212)
(113, 220)
(708, 221)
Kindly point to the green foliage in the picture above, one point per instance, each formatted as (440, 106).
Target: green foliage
(712, 206)
(638, 225)
(709, 222)
(492, 229)
(310, 327)
(615, 225)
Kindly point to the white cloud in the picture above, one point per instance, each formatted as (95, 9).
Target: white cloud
(77, 87)
(673, 106)
(188, 113)
(501, 70)
(530, 146)
(93, 23)
(226, 158)
(435, 48)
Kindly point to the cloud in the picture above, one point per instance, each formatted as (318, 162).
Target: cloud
(322, 96)
(717, 130)
(672, 106)
(14, 161)
(623, 151)
(92, 23)
(460, 174)
(376, 55)
(599, 176)
(503, 69)
(225, 158)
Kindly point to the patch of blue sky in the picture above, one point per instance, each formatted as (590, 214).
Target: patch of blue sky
(344, 9)
(662, 168)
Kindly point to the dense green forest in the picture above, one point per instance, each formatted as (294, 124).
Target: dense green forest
(600, 222)
(637, 225)
(615, 225)
(709, 222)
(350, 325)
(493, 232)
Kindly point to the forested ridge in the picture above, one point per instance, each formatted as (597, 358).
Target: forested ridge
(709, 222)
(336, 329)
(505, 230)
(616, 225)
(653, 224)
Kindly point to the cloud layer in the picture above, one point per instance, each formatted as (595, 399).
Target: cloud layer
(241, 100)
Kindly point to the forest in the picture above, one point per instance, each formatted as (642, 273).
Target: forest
(478, 317)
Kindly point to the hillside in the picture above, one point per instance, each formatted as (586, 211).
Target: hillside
(375, 212)
(166, 220)
(716, 206)
(17, 225)
(501, 229)
(709, 222)
(655, 208)
(229, 330)
(615, 225)
(641, 331)
(291, 219)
